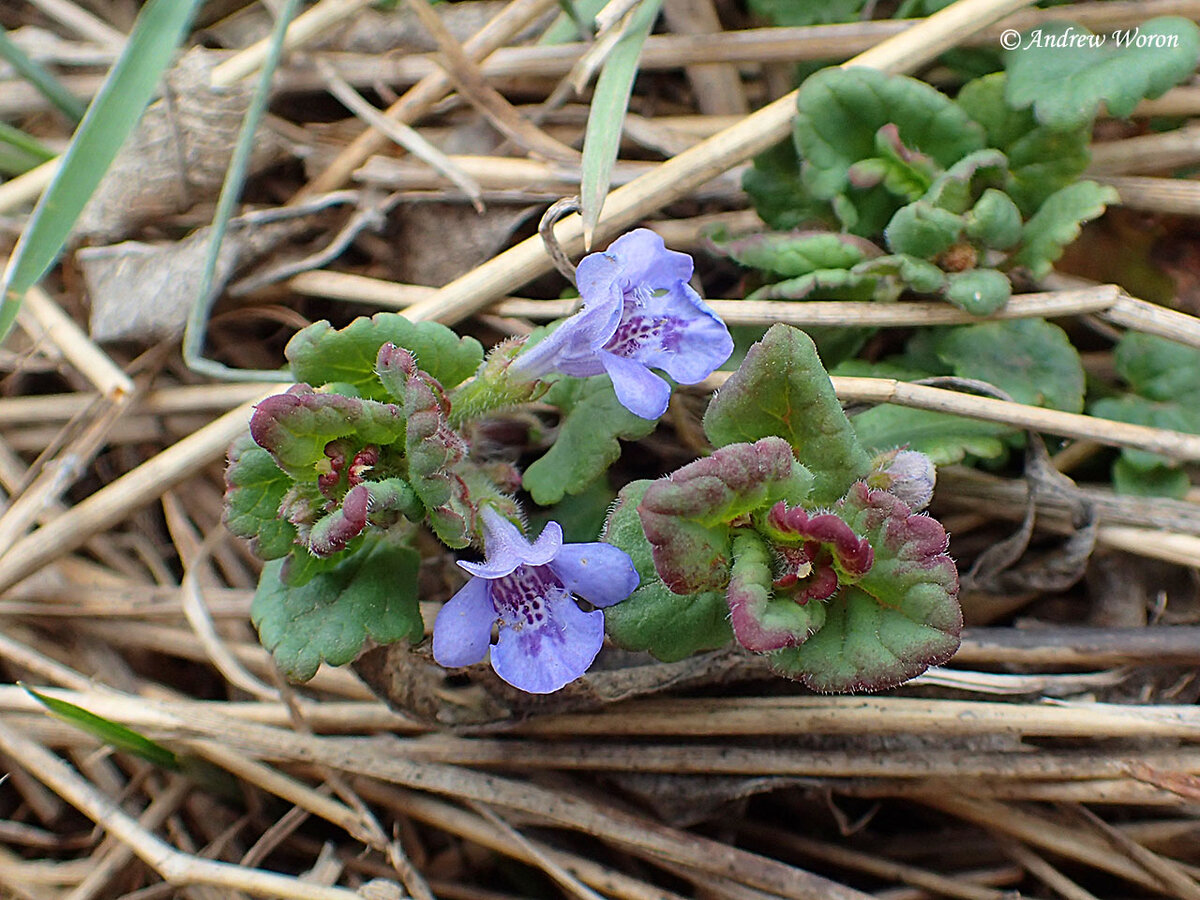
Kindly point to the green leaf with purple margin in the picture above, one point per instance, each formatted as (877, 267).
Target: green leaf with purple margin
(764, 619)
(379, 503)
(320, 354)
(370, 593)
(435, 451)
(782, 390)
(900, 618)
(686, 516)
(295, 426)
(254, 491)
(653, 618)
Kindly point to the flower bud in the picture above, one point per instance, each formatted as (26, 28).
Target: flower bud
(907, 474)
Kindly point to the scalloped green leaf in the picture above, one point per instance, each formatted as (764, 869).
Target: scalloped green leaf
(320, 354)
(782, 389)
(1065, 72)
(790, 254)
(1031, 359)
(669, 626)
(1041, 160)
(900, 618)
(368, 594)
(1057, 223)
(254, 491)
(587, 444)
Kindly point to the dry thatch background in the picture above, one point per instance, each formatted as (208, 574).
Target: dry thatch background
(1056, 756)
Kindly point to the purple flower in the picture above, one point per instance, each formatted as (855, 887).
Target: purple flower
(545, 639)
(638, 313)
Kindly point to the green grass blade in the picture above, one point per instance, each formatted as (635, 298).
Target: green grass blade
(27, 143)
(117, 735)
(20, 152)
(607, 115)
(159, 28)
(577, 22)
(46, 84)
(231, 189)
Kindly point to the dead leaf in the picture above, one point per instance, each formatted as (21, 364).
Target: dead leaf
(178, 154)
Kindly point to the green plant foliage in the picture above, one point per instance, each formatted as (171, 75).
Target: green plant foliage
(792, 254)
(994, 221)
(1065, 72)
(961, 192)
(806, 12)
(1165, 381)
(840, 112)
(751, 592)
(670, 626)
(980, 292)
(320, 353)
(781, 389)
(587, 443)
(1041, 160)
(1157, 368)
(1154, 481)
(1030, 359)
(369, 594)
(1057, 223)
(944, 438)
(774, 185)
(581, 514)
(254, 492)
(45, 83)
(687, 516)
(296, 427)
(923, 230)
(109, 732)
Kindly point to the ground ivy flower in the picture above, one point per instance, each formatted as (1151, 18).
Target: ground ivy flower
(638, 314)
(545, 640)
